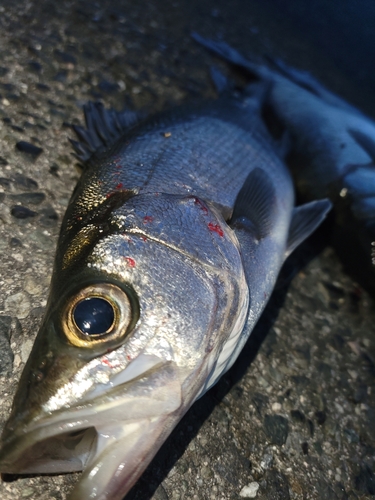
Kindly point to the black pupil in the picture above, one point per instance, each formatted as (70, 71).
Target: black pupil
(94, 316)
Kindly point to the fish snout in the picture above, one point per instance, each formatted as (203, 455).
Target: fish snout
(69, 439)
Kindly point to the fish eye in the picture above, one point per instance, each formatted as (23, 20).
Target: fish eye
(98, 314)
(94, 315)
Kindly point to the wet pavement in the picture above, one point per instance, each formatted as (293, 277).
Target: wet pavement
(295, 417)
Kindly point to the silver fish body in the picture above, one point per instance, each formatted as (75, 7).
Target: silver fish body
(168, 252)
(332, 153)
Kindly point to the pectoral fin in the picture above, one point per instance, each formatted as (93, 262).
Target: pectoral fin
(255, 205)
(305, 219)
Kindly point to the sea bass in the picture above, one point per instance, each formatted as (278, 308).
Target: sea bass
(168, 253)
(332, 153)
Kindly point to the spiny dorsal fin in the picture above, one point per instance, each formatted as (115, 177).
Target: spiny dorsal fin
(255, 204)
(103, 128)
(305, 219)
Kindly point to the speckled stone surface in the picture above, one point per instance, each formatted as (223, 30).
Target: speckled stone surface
(295, 416)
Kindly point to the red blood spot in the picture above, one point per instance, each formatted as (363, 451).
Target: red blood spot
(128, 357)
(106, 361)
(147, 218)
(130, 261)
(127, 238)
(144, 238)
(216, 229)
(201, 205)
(120, 185)
(118, 166)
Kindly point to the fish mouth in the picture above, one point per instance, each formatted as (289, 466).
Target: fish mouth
(112, 438)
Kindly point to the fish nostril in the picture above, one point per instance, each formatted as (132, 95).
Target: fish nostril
(94, 316)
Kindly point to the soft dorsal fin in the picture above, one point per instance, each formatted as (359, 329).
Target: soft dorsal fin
(232, 56)
(305, 219)
(103, 128)
(255, 204)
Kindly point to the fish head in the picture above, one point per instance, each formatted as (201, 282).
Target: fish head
(134, 325)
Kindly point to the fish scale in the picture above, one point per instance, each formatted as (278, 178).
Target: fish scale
(196, 157)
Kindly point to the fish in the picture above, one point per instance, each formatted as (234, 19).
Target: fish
(331, 152)
(168, 252)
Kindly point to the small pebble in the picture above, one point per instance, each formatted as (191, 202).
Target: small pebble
(43, 87)
(18, 257)
(6, 358)
(27, 492)
(20, 212)
(42, 240)
(28, 148)
(28, 198)
(17, 361)
(160, 494)
(54, 169)
(48, 217)
(18, 305)
(35, 66)
(5, 183)
(25, 350)
(32, 286)
(23, 182)
(267, 461)
(250, 491)
(64, 57)
(109, 87)
(15, 243)
(276, 428)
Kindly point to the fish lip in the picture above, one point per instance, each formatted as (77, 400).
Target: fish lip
(115, 468)
(22, 451)
(16, 450)
(23, 454)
